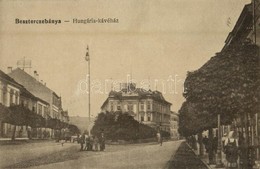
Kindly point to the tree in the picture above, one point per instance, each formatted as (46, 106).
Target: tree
(121, 126)
(228, 84)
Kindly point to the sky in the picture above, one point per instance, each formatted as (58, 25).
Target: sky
(156, 42)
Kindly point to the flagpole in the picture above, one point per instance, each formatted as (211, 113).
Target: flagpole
(89, 90)
(88, 73)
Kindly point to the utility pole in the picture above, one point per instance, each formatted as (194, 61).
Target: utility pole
(254, 20)
(219, 163)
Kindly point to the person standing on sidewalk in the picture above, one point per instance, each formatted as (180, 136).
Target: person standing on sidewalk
(231, 150)
(214, 148)
(205, 141)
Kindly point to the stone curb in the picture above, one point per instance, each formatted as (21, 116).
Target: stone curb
(199, 157)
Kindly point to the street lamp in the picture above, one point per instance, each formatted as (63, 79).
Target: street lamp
(219, 163)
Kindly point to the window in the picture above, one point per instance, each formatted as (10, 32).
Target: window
(11, 97)
(148, 106)
(148, 118)
(118, 107)
(142, 118)
(130, 107)
(39, 109)
(112, 107)
(142, 106)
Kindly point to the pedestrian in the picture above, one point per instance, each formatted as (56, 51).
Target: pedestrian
(158, 136)
(214, 148)
(87, 143)
(193, 142)
(29, 132)
(242, 149)
(95, 143)
(91, 142)
(231, 150)
(82, 141)
(161, 138)
(102, 142)
(205, 141)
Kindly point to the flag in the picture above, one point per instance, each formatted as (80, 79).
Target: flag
(87, 55)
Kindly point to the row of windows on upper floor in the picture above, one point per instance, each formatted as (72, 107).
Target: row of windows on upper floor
(132, 107)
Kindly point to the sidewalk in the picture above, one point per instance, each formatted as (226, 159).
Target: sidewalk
(186, 158)
(9, 139)
(205, 160)
(18, 141)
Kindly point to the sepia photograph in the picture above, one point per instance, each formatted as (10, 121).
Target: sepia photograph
(98, 84)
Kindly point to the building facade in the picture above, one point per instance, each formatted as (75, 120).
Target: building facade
(9, 94)
(48, 103)
(41, 91)
(247, 27)
(13, 93)
(247, 30)
(174, 125)
(148, 107)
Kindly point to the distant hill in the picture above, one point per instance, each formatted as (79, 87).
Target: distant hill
(81, 122)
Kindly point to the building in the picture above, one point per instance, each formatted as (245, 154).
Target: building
(247, 30)
(14, 93)
(148, 107)
(9, 94)
(40, 90)
(174, 123)
(65, 116)
(243, 29)
(48, 103)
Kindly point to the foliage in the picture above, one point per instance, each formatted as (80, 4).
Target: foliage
(121, 126)
(73, 129)
(22, 116)
(228, 84)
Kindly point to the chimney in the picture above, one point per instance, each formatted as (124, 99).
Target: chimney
(9, 69)
(36, 75)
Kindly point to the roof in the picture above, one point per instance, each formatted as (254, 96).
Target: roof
(138, 94)
(39, 99)
(26, 93)
(7, 78)
(242, 27)
(31, 84)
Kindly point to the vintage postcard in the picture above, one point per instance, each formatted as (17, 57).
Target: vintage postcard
(149, 84)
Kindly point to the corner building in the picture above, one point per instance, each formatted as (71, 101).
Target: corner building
(146, 106)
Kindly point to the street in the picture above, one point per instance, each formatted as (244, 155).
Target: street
(53, 155)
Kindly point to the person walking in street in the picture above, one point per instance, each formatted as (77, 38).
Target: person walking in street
(91, 142)
(158, 136)
(102, 142)
(82, 141)
(87, 143)
(95, 143)
(161, 138)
